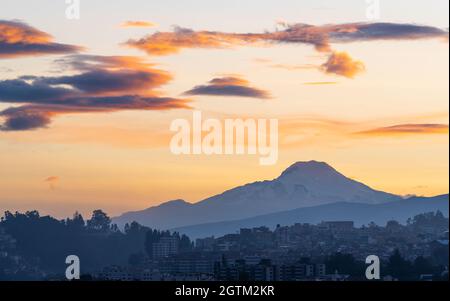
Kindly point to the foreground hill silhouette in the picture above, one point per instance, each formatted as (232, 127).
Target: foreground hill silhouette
(304, 184)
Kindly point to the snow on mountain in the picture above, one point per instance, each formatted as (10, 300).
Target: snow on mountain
(304, 184)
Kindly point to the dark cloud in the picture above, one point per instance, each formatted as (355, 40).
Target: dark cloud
(25, 90)
(107, 81)
(24, 121)
(35, 116)
(228, 86)
(385, 31)
(105, 84)
(20, 39)
(407, 129)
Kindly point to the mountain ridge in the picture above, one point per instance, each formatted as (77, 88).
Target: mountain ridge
(303, 184)
(356, 212)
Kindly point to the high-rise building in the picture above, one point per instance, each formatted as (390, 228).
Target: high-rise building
(166, 246)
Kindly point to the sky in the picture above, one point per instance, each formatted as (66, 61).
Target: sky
(86, 104)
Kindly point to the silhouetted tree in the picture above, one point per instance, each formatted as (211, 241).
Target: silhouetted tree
(99, 221)
(151, 237)
(423, 266)
(77, 222)
(399, 267)
(185, 244)
(345, 264)
(46, 242)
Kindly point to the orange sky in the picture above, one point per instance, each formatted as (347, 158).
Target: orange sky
(375, 110)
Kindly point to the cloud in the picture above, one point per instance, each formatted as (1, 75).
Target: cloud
(52, 181)
(20, 39)
(128, 24)
(384, 31)
(104, 84)
(30, 117)
(320, 37)
(100, 76)
(340, 63)
(103, 81)
(407, 129)
(164, 43)
(229, 86)
(24, 120)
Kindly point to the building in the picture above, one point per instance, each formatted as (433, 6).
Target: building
(339, 226)
(187, 266)
(300, 271)
(261, 272)
(241, 271)
(168, 245)
(7, 243)
(282, 235)
(117, 273)
(205, 244)
(252, 260)
(321, 270)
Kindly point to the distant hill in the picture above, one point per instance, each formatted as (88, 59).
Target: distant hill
(359, 213)
(304, 184)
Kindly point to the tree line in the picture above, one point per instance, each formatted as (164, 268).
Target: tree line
(44, 242)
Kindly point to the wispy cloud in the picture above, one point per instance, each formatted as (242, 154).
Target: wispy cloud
(407, 129)
(229, 86)
(19, 39)
(128, 24)
(164, 43)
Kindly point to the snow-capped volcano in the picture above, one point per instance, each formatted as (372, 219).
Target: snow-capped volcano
(321, 184)
(304, 184)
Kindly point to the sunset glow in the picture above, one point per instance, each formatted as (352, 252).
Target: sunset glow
(86, 105)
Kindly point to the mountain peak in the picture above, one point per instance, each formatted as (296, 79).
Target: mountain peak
(312, 163)
(303, 184)
(171, 204)
(176, 202)
(309, 167)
